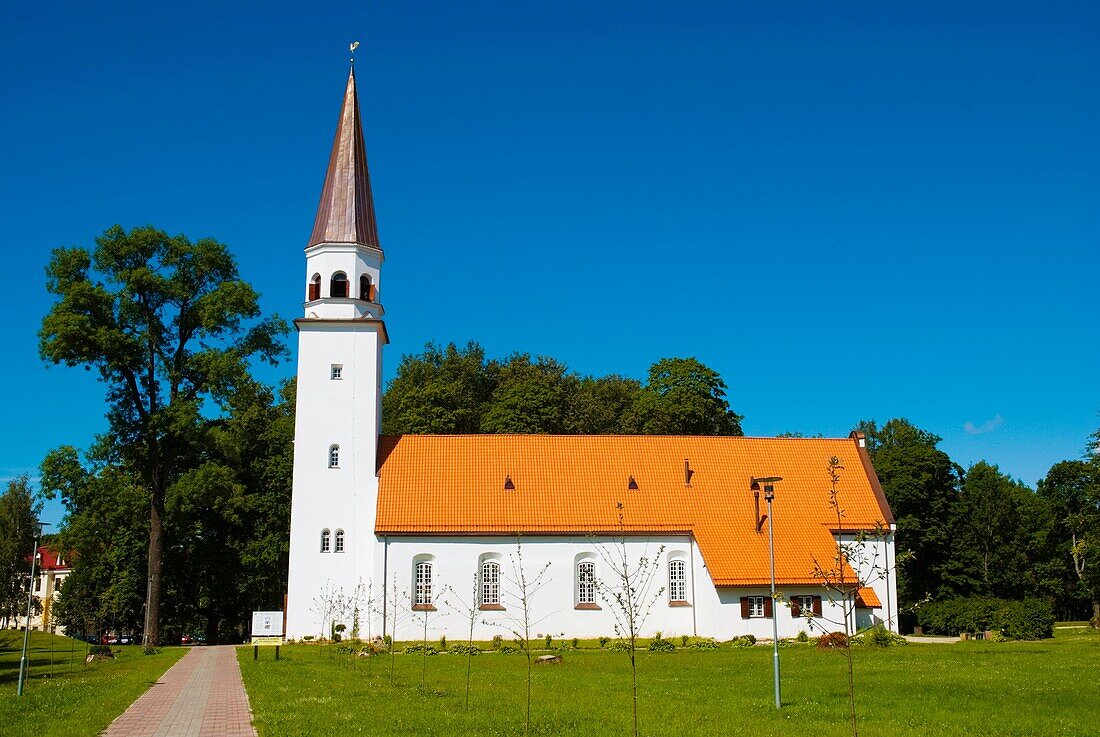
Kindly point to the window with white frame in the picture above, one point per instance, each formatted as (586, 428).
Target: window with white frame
(339, 541)
(325, 541)
(334, 456)
(490, 583)
(805, 605)
(677, 580)
(586, 582)
(336, 372)
(424, 582)
(756, 606)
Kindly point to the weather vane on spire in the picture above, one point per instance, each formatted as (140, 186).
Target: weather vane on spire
(352, 47)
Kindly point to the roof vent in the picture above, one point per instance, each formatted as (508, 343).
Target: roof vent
(688, 473)
(508, 484)
(632, 485)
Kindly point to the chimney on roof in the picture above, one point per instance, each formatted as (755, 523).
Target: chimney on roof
(688, 473)
(508, 485)
(632, 484)
(860, 438)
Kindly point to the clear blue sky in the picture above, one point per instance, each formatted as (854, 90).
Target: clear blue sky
(851, 210)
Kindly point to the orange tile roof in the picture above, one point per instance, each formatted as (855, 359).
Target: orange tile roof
(454, 484)
(866, 597)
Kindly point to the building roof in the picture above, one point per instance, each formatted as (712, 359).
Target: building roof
(455, 484)
(866, 597)
(345, 213)
(49, 560)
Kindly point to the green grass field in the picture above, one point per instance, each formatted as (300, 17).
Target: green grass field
(65, 697)
(1030, 688)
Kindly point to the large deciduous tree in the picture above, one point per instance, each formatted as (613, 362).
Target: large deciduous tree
(922, 485)
(170, 326)
(1073, 490)
(18, 515)
(682, 396)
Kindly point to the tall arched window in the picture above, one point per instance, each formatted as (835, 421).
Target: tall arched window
(677, 580)
(586, 582)
(490, 583)
(366, 289)
(334, 456)
(338, 287)
(325, 541)
(424, 583)
(314, 288)
(339, 541)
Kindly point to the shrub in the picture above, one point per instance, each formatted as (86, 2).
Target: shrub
(701, 643)
(575, 643)
(371, 648)
(149, 650)
(660, 645)
(497, 642)
(802, 636)
(507, 648)
(879, 636)
(604, 640)
(1031, 619)
(621, 646)
(420, 649)
(307, 638)
(100, 650)
(548, 639)
(684, 640)
(443, 642)
(463, 648)
(387, 641)
(832, 640)
(744, 641)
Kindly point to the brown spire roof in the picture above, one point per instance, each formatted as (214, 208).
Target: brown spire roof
(346, 211)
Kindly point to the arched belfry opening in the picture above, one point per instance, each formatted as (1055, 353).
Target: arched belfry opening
(314, 291)
(366, 289)
(338, 287)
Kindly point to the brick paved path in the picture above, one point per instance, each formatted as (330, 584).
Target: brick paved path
(200, 696)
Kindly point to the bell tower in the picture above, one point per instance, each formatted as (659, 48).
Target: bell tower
(338, 413)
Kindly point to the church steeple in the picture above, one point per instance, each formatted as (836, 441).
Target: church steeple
(346, 211)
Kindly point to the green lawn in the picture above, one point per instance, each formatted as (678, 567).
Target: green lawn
(69, 698)
(974, 688)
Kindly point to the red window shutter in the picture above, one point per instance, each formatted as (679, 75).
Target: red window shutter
(744, 607)
(796, 611)
(768, 607)
(817, 605)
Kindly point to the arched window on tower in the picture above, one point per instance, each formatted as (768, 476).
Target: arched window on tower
(325, 541)
(314, 288)
(338, 287)
(334, 456)
(339, 541)
(366, 289)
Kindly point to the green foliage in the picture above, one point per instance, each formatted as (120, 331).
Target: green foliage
(1072, 488)
(508, 648)
(443, 642)
(1017, 620)
(421, 649)
(498, 641)
(458, 390)
(879, 636)
(683, 397)
(148, 650)
(802, 636)
(660, 645)
(463, 648)
(548, 640)
(621, 646)
(744, 641)
(574, 643)
(99, 650)
(701, 643)
(18, 513)
(604, 640)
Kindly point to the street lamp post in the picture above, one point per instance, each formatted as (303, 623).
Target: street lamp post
(30, 598)
(769, 496)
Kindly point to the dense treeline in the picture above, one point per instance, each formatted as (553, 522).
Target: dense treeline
(978, 532)
(459, 390)
(177, 518)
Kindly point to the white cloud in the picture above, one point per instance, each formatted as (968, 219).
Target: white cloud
(987, 426)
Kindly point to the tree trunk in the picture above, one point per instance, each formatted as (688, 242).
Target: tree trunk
(151, 636)
(1096, 612)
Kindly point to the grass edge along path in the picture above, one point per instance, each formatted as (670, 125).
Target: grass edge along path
(966, 689)
(72, 698)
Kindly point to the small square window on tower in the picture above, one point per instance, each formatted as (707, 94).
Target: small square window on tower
(337, 372)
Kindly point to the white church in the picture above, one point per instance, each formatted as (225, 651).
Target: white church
(430, 524)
